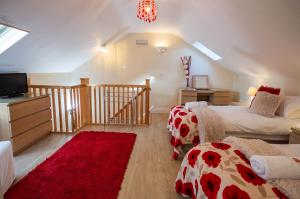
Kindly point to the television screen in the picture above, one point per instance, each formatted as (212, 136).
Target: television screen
(13, 84)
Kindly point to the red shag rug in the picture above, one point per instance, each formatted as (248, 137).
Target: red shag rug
(91, 165)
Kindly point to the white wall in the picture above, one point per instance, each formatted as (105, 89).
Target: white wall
(125, 62)
(50, 78)
(289, 86)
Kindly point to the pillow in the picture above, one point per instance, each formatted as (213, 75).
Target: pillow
(290, 107)
(265, 104)
(271, 90)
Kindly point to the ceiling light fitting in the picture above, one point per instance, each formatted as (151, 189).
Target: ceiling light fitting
(147, 10)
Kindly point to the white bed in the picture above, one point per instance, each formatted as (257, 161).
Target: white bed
(7, 174)
(241, 123)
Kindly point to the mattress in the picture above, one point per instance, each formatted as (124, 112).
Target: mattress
(7, 174)
(273, 138)
(238, 120)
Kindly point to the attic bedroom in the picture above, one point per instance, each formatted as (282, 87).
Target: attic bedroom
(164, 99)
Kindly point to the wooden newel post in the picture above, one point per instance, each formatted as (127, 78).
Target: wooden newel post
(85, 101)
(147, 108)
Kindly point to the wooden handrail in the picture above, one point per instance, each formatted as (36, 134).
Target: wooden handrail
(54, 86)
(119, 85)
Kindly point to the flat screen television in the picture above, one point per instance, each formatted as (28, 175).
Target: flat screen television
(13, 84)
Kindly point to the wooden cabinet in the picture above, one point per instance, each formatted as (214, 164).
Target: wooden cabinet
(213, 96)
(24, 120)
(295, 136)
(187, 95)
(221, 97)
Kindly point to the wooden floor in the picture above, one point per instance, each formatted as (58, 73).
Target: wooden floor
(151, 170)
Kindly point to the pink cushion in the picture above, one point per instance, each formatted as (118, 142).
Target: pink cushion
(271, 90)
(265, 104)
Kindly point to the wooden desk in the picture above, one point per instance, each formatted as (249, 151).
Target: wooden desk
(212, 96)
(295, 136)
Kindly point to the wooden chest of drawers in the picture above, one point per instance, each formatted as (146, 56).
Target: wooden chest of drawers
(24, 120)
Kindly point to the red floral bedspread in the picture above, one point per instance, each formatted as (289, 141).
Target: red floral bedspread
(218, 170)
(183, 125)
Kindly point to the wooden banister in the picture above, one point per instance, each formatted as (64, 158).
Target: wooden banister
(128, 103)
(73, 107)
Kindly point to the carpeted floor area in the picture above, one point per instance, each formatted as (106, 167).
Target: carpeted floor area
(91, 165)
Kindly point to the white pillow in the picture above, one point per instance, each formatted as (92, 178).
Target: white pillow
(290, 107)
(191, 105)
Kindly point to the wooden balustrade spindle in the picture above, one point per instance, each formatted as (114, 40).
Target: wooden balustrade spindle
(59, 109)
(73, 123)
(123, 104)
(74, 108)
(114, 104)
(77, 108)
(137, 106)
(132, 101)
(142, 108)
(119, 105)
(100, 105)
(104, 103)
(147, 107)
(90, 105)
(127, 110)
(53, 109)
(34, 91)
(95, 106)
(108, 104)
(66, 111)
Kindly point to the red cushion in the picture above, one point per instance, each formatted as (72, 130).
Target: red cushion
(271, 90)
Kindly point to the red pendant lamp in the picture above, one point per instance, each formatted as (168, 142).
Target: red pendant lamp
(147, 10)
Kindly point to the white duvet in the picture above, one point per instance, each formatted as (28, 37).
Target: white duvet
(239, 119)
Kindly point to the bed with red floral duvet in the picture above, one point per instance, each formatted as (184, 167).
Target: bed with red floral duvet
(194, 126)
(220, 170)
(183, 125)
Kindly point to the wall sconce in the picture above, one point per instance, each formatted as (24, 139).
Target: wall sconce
(103, 49)
(161, 49)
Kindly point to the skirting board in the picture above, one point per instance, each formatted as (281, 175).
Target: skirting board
(159, 109)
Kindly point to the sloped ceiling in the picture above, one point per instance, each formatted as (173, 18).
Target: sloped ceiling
(254, 37)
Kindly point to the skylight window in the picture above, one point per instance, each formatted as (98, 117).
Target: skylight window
(9, 36)
(207, 51)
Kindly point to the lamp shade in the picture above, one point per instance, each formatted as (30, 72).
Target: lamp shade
(251, 91)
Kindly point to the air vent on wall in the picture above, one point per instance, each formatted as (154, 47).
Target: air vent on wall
(141, 42)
